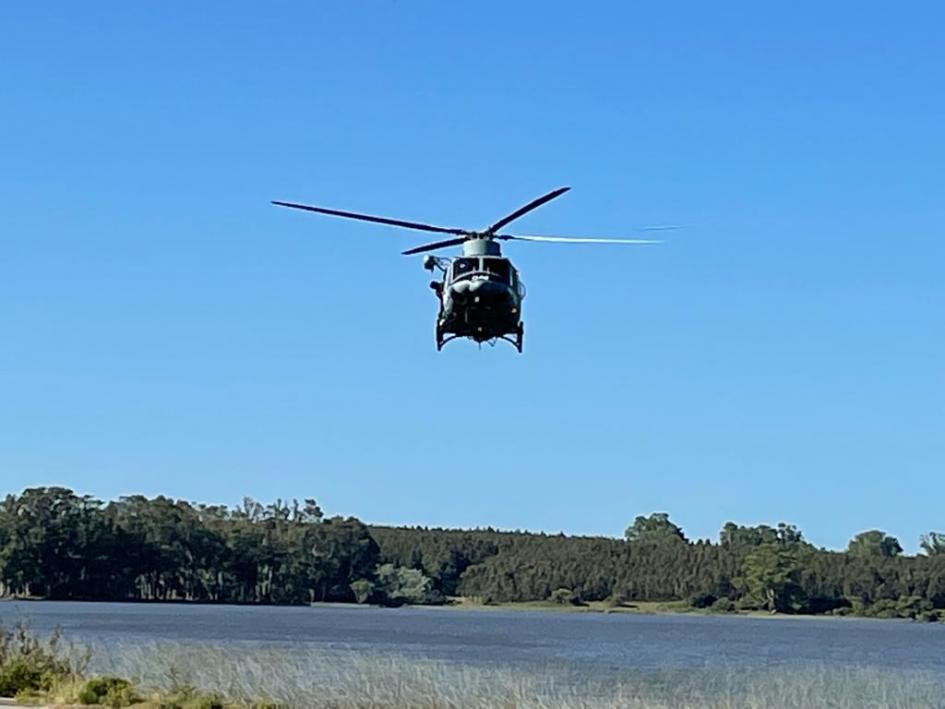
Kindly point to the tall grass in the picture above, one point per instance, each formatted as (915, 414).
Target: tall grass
(32, 664)
(345, 679)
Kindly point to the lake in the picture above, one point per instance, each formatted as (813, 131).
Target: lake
(592, 640)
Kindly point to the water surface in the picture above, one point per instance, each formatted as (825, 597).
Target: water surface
(605, 641)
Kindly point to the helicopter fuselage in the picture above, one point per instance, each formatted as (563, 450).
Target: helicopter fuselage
(480, 296)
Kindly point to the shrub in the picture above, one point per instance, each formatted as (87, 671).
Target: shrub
(746, 604)
(19, 676)
(108, 691)
(362, 590)
(702, 600)
(564, 597)
(723, 605)
(399, 586)
(183, 695)
(28, 664)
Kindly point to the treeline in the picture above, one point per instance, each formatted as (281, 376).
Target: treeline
(762, 567)
(56, 544)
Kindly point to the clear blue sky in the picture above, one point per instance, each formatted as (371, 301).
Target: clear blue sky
(166, 330)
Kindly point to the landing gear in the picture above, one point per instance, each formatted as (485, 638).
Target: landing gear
(516, 338)
(441, 337)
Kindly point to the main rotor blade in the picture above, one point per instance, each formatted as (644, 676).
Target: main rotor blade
(434, 246)
(575, 240)
(534, 204)
(369, 218)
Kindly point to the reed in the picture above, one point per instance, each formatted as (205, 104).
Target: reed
(347, 679)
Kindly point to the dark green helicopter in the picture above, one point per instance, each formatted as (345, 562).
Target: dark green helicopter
(480, 292)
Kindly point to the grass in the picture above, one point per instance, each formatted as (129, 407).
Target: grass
(30, 664)
(344, 679)
(202, 676)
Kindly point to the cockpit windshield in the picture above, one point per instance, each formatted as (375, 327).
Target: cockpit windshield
(498, 267)
(464, 266)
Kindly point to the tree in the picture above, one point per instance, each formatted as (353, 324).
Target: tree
(736, 537)
(933, 543)
(769, 578)
(57, 544)
(874, 543)
(400, 586)
(655, 528)
(362, 590)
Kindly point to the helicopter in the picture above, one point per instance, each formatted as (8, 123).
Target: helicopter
(480, 293)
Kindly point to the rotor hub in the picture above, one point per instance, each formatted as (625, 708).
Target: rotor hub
(481, 244)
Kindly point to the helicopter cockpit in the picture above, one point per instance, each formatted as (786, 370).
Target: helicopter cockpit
(492, 268)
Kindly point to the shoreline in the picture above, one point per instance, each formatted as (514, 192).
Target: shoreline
(651, 608)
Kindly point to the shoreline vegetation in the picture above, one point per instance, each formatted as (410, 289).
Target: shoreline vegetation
(56, 544)
(168, 675)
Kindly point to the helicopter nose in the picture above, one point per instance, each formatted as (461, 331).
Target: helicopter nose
(474, 287)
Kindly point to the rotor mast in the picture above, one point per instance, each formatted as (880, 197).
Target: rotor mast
(482, 245)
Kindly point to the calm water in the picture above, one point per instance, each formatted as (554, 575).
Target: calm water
(604, 641)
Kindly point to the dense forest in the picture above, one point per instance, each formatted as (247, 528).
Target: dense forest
(57, 544)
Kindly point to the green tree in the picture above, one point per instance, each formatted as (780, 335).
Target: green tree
(933, 543)
(656, 528)
(400, 586)
(770, 578)
(874, 543)
(362, 590)
(736, 537)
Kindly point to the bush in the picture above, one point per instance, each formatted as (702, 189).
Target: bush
(702, 600)
(564, 597)
(746, 604)
(362, 590)
(723, 605)
(399, 586)
(29, 665)
(906, 607)
(19, 677)
(184, 695)
(108, 691)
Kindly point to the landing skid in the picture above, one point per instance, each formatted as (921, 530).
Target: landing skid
(517, 341)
